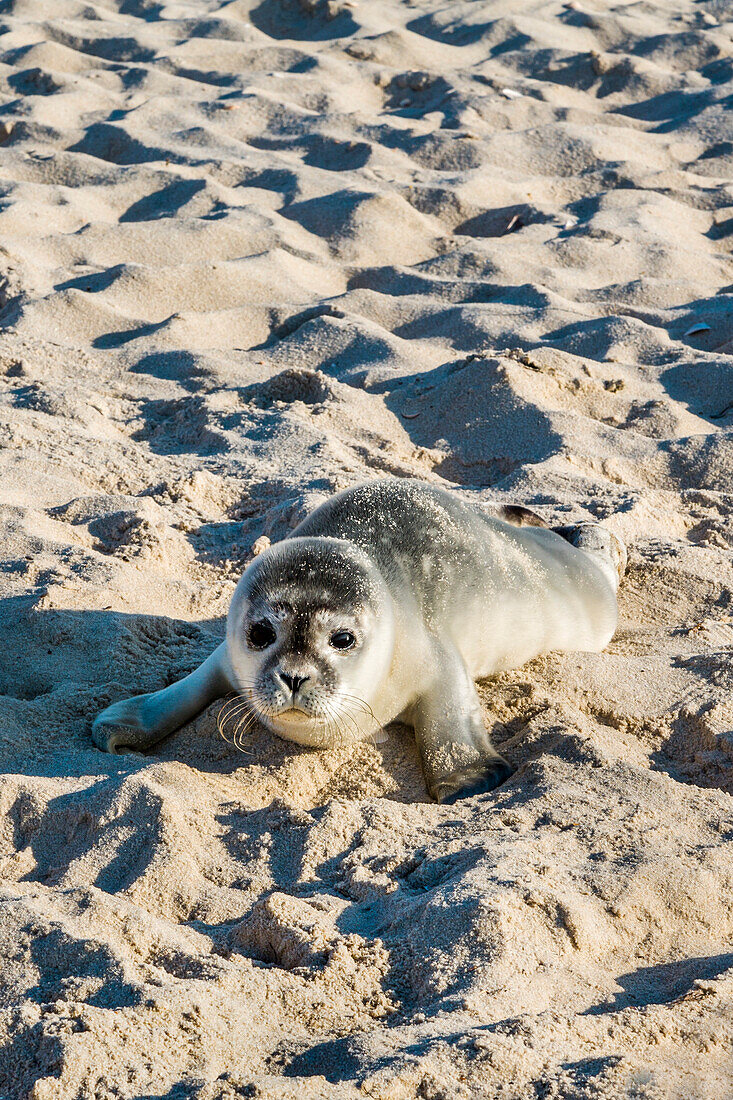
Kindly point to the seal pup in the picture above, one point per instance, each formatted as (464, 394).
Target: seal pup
(386, 603)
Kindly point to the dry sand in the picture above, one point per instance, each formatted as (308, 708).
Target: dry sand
(251, 253)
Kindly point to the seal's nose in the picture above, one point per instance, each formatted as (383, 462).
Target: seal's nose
(293, 682)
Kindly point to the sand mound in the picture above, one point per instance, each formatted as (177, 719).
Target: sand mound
(254, 252)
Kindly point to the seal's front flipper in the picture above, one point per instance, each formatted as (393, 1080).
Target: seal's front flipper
(457, 756)
(479, 780)
(140, 722)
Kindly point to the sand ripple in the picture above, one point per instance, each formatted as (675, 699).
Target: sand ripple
(253, 252)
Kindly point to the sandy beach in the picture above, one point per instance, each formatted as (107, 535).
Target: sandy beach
(254, 252)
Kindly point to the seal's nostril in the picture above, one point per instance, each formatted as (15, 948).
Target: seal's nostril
(293, 682)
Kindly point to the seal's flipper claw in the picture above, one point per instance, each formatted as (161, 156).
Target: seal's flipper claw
(473, 781)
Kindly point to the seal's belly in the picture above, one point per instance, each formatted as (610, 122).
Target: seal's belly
(568, 611)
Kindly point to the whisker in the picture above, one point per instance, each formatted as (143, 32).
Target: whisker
(364, 708)
(236, 697)
(222, 716)
(326, 721)
(243, 727)
(341, 717)
(362, 703)
(223, 720)
(232, 709)
(353, 722)
(233, 706)
(245, 685)
(329, 714)
(333, 731)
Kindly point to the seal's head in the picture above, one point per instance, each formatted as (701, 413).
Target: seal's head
(310, 636)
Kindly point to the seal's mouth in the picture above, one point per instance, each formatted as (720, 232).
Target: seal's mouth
(293, 714)
(297, 725)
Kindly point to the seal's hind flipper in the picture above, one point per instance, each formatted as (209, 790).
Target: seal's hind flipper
(598, 541)
(519, 516)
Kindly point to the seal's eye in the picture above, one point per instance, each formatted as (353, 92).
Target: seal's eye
(260, 635)
(342, 639)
